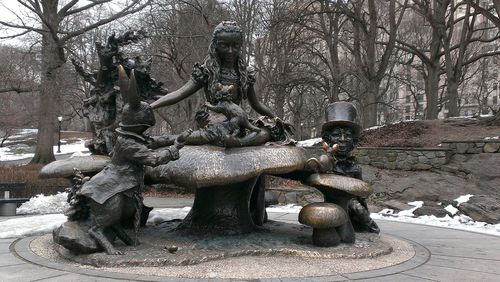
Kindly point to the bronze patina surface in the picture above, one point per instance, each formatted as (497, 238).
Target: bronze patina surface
(345, 184)
(204, 166)
(322, 215)
(274, 239)
(65, 168)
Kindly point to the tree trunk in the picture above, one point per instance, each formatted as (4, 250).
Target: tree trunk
(452, 92)
(431, 92)
(52, 60)
(370, 105)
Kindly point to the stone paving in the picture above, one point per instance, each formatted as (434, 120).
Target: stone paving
(441, 255)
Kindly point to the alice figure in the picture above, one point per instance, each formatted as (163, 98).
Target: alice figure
(224, 66)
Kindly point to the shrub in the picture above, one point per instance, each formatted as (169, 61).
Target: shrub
(29, 174)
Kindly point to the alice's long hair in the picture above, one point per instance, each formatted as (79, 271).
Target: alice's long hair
(212, 61)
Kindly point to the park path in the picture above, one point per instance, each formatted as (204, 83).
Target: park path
(441, 255)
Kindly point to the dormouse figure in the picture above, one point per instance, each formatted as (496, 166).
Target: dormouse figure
(236, 116)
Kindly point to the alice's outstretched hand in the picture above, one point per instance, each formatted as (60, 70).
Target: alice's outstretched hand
(182, 138)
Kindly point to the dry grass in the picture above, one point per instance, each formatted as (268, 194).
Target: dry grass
(428, 133)
(29, 174)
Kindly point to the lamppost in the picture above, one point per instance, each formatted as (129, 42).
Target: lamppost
(59, 141)
(301, 125)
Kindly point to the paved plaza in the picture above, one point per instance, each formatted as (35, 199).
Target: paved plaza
(441, 254)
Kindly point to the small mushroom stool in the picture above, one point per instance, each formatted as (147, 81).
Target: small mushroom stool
(323, 218)
(340, 190)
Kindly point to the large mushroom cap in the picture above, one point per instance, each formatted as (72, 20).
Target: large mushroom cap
(65, 168)
(204, 166)
(345, 184)
(322, 215)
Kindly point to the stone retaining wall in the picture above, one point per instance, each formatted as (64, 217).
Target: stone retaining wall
(473, 147)
(403, 158)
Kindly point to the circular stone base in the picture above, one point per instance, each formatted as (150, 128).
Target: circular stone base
(278, 250)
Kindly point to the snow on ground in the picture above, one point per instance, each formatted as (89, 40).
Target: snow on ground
(37, 224)
(290, 208)
(23, 133)
(458, 221)
(157, 216)
(20, 226)
(41, 204)
(6, 154)
(463, 199)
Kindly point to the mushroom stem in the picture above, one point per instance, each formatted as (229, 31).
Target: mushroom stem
(325, 237)
(346, 230)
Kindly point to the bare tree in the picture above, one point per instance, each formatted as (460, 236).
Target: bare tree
(53, 24)
(466, 41)
(372, 59)
(427, 48)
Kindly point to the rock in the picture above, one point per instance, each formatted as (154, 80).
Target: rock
(395, 205)
(475, 149)
(436, 211)
(65, 168)
(438, 185)
(462, 148)
(291, 197)
(422, 160)
(491, 147)
(75, 237)
(421, 166)
(270, 198)
(482, 208)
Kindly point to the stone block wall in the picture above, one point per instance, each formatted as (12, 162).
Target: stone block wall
(473, 147)
(403, 158)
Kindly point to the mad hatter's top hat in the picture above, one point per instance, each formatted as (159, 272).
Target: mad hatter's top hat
(341, 114)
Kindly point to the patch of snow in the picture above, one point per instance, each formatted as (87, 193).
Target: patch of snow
(417, 204)
(30, 225)
(461, 222)
(290, 208)
(7, 155)
(80, 154)
(373, 127)
(157, 216)
(71, 148)
(24, 133)
(451, 209)
(463, 199)
(41, 204)
(492, 138)
(309, 142)
(387, 211)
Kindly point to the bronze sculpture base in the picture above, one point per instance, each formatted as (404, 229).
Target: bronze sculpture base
(273, 239)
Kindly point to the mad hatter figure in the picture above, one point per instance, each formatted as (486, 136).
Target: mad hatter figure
(340, 132)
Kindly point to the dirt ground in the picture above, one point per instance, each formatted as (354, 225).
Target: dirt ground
(426, 133)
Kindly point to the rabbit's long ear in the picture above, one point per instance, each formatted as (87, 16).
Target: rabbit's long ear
(134, 98)
(123, 82)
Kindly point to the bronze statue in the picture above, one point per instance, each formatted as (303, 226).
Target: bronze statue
(340, 133)
(224, 66)
(236, 116)
(103, 107)
(114, 193)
